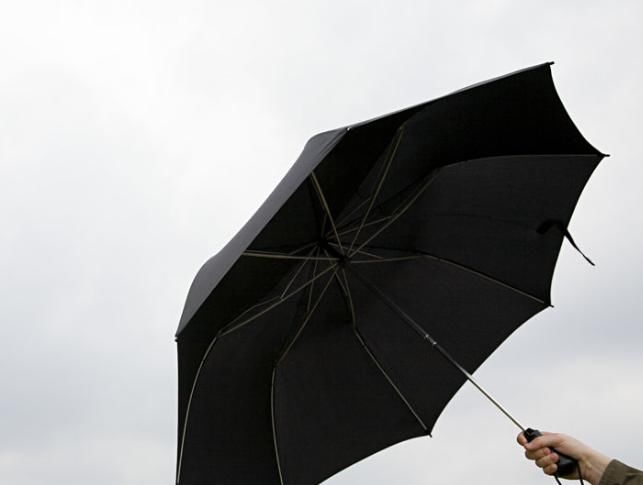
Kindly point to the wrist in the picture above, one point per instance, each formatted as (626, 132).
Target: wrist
(593, 465)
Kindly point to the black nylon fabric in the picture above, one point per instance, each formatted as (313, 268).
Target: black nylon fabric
(232, 438)
(328, 394)
(291, 367)
(470, 316)
(485, 214)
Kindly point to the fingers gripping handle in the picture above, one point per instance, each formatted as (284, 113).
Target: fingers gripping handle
(566, 464)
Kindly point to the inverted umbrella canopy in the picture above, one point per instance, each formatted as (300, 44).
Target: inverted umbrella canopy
(317, 336)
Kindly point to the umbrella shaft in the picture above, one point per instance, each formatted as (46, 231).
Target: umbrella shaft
(434, 343)
(455, 363)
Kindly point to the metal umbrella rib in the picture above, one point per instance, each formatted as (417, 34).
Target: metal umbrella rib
(425, 256)
(273, 255)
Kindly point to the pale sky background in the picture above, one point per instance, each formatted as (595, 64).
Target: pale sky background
(137, 137)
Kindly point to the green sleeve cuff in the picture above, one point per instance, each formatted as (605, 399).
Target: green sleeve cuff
(618, 473)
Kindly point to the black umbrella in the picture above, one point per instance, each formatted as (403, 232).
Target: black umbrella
(311, 340)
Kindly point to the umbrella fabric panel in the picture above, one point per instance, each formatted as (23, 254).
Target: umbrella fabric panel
(518, 114)
(233, 444)
(332, 402)
(299, 217)
(467, 314)
(235, 294)
(486, 215)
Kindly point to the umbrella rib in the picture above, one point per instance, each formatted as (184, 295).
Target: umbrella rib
(285, 249)
(400, 211)
(423, 255)
(274, 427)
(374, 359)
(304, 247)
(323, 224)
(307, 318)
(354, 210)
(389, 379)
(384, 260)
(374, 257)
(312, 286)
(189, 405)
(274, 255)
(301, 267)
(324, 203)
(349, 297)
(380, 183)
(365, 253)
(482, 275)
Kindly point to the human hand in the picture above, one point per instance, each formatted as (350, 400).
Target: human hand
(592, 463)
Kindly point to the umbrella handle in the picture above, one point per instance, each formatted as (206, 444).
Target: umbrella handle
(566, 464)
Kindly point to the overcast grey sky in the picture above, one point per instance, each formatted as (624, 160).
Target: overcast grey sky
(136, 137)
